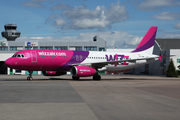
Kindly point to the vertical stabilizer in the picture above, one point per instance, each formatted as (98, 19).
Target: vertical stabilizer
(148, 40)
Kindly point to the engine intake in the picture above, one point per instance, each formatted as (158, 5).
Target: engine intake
(83, 71)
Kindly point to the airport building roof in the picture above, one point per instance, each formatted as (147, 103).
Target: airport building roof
(97, 44)
(169, 43)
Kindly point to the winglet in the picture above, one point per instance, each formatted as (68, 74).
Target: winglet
(160, 57)
(147, 41)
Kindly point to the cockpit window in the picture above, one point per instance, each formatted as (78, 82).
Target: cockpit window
(18, 55)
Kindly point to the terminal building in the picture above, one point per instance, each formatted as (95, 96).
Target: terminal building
(9, 47)
(168, 47)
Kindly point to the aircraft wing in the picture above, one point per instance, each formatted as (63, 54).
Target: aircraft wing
(102, 64)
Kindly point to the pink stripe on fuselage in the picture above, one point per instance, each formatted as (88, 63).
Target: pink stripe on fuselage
(56, 58)
(46, 59)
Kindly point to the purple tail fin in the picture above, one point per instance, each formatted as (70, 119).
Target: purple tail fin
(147, 41)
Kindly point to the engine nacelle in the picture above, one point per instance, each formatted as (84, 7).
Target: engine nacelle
(53, 73)
(83, 71)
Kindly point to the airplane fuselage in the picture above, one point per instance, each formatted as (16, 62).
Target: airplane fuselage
(62, 60)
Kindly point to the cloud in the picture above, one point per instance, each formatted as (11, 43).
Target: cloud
(82, 18)
(60, 7)
(166, 34)
(32, 4)
(36, 38)
(177, 26)
(56, 20)
(167, 16)
(118, 39)
(170, 35)
(60, 22)
(153, 5)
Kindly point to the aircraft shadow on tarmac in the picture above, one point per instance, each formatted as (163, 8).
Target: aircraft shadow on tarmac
(103, 79)
(44, 79)
(81, 79)
(62, 79)
(135, 79)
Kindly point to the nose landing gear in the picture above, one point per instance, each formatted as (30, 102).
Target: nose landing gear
(30, 78)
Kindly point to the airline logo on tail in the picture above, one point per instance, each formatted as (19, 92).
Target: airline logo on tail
(147, 41)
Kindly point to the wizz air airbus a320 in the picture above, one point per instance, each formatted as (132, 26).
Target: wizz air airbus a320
(83, 63)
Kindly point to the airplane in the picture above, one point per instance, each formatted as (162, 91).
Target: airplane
(84, 63)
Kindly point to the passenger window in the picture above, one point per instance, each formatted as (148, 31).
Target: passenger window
(18, 55)
(22, 56)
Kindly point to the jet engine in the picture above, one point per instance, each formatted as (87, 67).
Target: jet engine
(83, 71)
(53, 73)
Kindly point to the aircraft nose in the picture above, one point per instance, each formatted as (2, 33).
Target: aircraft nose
(8, 62)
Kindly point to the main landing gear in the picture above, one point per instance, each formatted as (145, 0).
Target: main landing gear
(95, 77)
(30, 76)
(75, 78)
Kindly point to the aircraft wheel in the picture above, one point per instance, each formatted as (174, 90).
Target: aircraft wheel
(97, 77)
(75, 78)
(28, 78)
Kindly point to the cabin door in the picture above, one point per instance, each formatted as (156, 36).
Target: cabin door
(33, 56)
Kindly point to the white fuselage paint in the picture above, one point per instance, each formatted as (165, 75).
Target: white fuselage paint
(95, 57)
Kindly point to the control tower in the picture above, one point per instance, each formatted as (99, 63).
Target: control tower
(10, 32)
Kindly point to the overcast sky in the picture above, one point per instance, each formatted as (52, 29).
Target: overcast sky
(122, 23)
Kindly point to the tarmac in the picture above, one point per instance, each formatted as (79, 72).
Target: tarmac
(115, 97)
